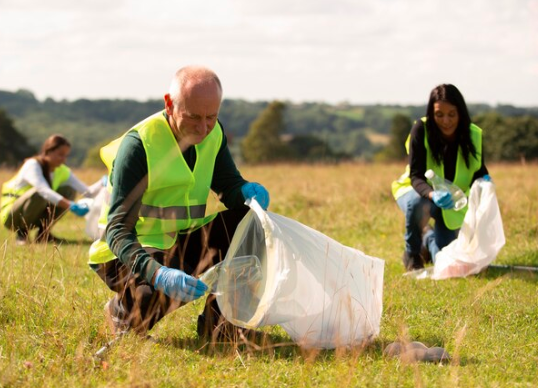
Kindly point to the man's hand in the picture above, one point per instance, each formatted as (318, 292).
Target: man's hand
(255, 190)
(443, 199)
(80, 209)
(178, 285)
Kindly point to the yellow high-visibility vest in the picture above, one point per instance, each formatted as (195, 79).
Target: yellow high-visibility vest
(463, 176)
(175, 199)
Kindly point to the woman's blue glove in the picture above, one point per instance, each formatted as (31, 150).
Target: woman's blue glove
(80, 209)
(104, 180)
(443, 199)
(487, 178)
(178, 285)
(255, 190)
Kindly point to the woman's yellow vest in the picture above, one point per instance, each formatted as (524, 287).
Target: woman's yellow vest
(10, 194)
(175, 199)
(463, 176)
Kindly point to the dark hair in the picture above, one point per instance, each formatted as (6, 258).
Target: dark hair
(449, 93)
(52, 143)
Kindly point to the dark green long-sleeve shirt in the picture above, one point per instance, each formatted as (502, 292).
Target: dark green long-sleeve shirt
(129, 182)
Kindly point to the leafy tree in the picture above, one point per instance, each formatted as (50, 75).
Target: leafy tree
(526, 128)
(399, 131)
(263, 143)
(311, 148)
(13, 146)
(522, 142)
(377, 118)
(93, 156)
(512, 111)
(237, 115)
(509, 138)
(19, 103)
(495, 135)
(345, 128)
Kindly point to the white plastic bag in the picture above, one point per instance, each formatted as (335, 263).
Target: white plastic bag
(322, 293)
(480, 238)
(93, 230)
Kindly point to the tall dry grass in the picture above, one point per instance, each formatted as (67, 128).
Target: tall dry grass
(51, 319)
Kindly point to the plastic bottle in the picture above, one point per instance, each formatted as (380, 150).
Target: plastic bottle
(441, 184)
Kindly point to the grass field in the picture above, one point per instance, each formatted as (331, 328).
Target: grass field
(51, 320)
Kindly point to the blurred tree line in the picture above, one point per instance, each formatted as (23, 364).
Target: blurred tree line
(258, 131)
(13, 146)
(506, 138)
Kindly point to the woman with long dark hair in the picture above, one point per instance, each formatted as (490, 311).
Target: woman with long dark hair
(42, 191)
(447, 142)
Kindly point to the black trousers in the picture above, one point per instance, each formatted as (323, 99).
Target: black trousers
(140, 306)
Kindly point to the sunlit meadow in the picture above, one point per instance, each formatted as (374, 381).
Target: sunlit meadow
(51, 320)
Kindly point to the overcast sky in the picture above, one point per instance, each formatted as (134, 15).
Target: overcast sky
(356, 51)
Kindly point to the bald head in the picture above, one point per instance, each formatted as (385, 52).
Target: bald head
(191, 79)
(192, 104)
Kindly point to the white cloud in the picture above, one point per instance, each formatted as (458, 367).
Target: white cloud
(363, 51)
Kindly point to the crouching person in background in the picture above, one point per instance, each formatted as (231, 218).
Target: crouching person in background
(158, 237)
(42, 191)
(447, 142)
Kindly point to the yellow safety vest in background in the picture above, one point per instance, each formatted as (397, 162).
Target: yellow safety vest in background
(462, 178)
(175, 199)
(10, 194)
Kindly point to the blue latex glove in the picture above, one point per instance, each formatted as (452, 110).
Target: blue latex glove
(104, 180)
(487, 178)
(255, 190)
(443, 199)
(178, 285)
(80, 209)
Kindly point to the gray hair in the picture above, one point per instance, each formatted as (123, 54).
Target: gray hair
(187, 74)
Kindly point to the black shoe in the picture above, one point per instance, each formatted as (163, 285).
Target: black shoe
(412, 262)
(425, 254)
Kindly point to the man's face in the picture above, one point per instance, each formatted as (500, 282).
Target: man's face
(194, 118)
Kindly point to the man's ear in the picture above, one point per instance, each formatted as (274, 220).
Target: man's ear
(168, 103)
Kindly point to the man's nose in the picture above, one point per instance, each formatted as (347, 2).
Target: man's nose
(203, 125)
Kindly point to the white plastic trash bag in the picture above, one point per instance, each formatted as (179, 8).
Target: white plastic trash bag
(480, 238)
(93, 230)
(322, 293)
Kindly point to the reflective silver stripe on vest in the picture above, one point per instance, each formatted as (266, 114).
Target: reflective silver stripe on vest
(11, 195)
(172, 212)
